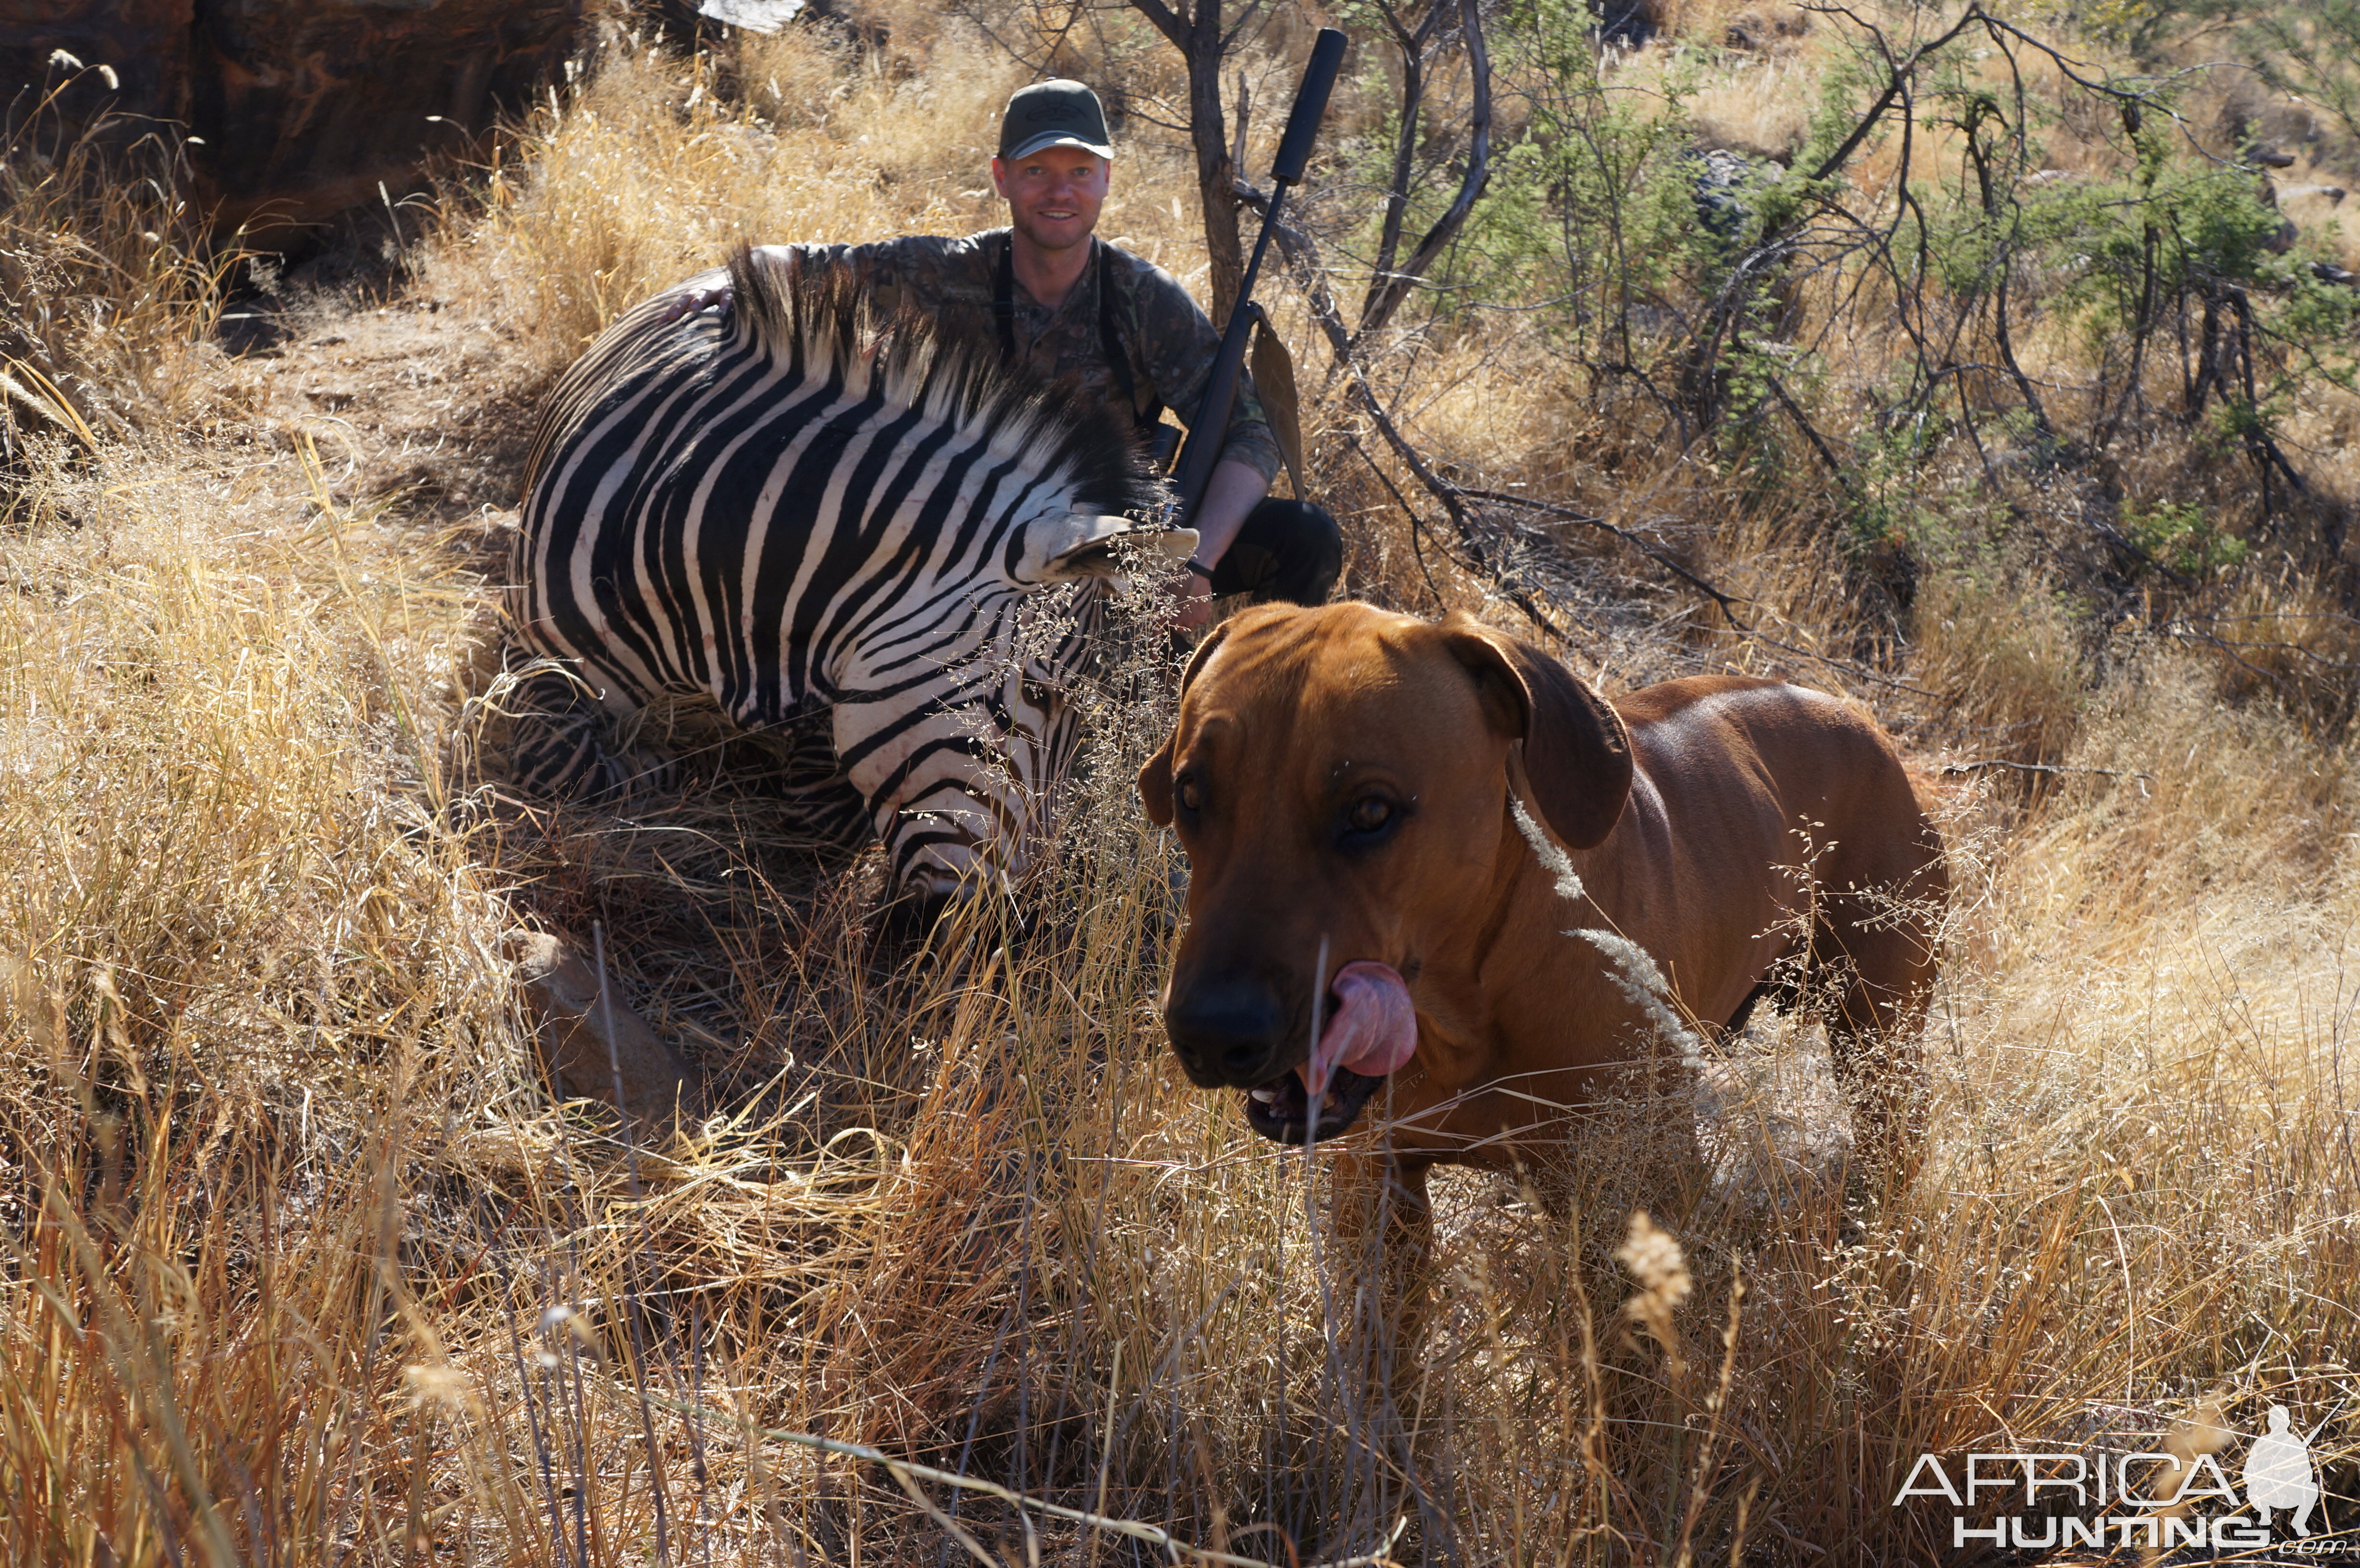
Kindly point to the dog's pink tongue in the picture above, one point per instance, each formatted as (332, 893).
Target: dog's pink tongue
(1372, 1031)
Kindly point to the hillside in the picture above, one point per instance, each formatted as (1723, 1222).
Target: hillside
(2018, 412)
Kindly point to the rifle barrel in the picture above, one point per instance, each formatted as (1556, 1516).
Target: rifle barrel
(1203, 451)
(1310, 103)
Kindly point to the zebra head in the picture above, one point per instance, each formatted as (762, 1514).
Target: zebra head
(954, 714)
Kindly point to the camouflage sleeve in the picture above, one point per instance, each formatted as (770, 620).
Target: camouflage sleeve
(1177, 344)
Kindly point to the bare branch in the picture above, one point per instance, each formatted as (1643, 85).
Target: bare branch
(1165, 21)
(1392, 284)
(1899, 79)
(1413, 108)
(1728, 602)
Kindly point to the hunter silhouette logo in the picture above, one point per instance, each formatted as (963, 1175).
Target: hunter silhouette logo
(2104, 1495)
(2278, 1473)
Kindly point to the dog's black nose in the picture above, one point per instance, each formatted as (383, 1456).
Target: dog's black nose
(1231, 1031)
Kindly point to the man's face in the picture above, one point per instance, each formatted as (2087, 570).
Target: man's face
(1053, 195)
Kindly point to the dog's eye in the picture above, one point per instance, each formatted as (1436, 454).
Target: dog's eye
(1369, 814)
(1191, 795)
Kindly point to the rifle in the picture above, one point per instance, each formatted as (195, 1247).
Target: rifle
(1205, 432)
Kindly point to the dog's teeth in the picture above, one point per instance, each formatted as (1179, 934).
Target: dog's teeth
(1265, 1096)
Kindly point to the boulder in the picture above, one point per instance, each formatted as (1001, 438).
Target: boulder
(142, 44)
(1754, 32)
(300, 108)
(307, 106)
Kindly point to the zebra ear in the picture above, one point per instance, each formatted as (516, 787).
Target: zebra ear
(1088, 547)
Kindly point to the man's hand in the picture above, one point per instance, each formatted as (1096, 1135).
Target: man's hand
(1195, 595)
(690, 301)
(1233, 491)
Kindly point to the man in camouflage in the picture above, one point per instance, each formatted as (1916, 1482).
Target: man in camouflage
(1108, 325)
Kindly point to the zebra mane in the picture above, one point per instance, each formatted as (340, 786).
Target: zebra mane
(819, 320)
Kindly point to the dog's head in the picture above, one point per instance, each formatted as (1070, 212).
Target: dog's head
(1339, 778)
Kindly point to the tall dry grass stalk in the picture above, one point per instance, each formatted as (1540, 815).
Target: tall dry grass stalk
(109, 286)
(301, 1264)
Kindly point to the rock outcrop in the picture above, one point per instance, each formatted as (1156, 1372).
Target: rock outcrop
(299, 108)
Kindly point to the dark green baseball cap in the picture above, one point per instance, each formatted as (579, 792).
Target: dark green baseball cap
(1053, 114)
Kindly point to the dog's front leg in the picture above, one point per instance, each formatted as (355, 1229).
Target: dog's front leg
(1381, 1270)
(1381, 1232)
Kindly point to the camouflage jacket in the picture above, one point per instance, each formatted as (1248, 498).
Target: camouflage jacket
(1168, 344)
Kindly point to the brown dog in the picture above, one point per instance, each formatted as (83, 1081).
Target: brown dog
(1344, 782)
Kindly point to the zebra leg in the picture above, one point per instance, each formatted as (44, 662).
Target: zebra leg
(593, 1045)
(955, 757)
(558, 747)
(817, 800)
(940, 792)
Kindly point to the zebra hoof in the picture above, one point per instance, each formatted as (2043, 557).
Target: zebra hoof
(602, 1053)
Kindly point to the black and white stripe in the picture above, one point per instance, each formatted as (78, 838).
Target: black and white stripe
(838, 531)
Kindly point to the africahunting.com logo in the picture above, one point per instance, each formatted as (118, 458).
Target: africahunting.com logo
(2178, 1496)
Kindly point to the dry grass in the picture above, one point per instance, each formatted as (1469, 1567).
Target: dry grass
(303, 1266)
(107, 297)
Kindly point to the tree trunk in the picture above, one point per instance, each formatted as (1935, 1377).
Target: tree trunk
(1197, 35)
(1216, 174)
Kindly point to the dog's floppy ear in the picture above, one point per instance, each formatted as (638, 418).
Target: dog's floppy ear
(1155, 778)
(1576, 753)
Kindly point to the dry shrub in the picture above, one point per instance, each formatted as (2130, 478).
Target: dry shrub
(647, 175)
(1764, 112)
(247, 986)
(2293, 643)
(2001, 647)
(798, 77)
(109, 289)
(2204, 800)
(1703, 21)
